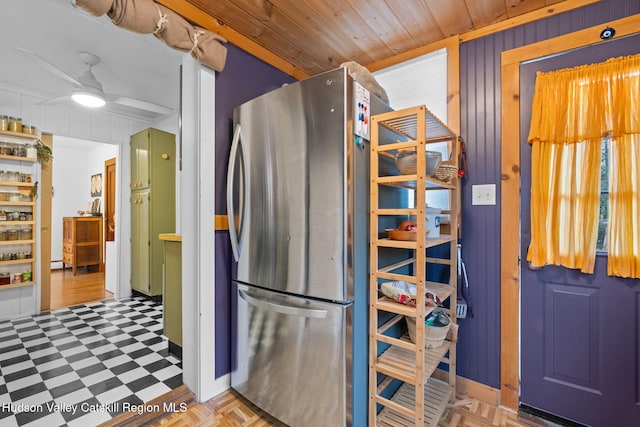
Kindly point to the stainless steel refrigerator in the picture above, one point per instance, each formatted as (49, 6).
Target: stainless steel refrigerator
(297, 201)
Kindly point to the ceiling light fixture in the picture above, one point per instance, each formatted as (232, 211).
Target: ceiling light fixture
(88, 98)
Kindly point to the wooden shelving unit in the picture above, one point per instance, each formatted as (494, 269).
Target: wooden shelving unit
(420, 400)
(8, 162)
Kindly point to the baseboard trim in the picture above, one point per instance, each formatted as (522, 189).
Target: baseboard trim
(472, 389)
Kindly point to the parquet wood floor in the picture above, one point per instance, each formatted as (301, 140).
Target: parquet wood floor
(231, 410)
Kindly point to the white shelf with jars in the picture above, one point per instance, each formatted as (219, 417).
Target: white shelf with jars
(18, 208)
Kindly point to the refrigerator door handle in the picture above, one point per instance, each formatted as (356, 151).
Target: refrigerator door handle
(234, 234)
(283, 309)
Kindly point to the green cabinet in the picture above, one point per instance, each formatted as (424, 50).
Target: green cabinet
(153, 205)
(172, 301)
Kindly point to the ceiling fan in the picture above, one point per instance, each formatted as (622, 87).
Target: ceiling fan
(88, 91)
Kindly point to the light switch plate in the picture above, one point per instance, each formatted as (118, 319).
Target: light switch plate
(484, 194)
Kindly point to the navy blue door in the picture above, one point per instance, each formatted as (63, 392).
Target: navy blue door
(580, 333)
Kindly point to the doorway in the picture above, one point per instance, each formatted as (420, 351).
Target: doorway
(510, 189)
(572, 361)
(80, 176)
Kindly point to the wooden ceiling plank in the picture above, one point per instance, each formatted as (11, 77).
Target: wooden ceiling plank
(486, 12)
(545, 12)
(381, 20)
(519, 7)
(352, 26)
(284, 38)
(326, 30)
(415, 17)
(202, 19)
(304, 34)
(452, 16)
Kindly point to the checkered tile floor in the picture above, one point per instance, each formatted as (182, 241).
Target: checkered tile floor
(82, 365)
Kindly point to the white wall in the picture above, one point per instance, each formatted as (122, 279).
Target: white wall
(74, 162)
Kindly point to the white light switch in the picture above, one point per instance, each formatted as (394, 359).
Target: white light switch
(484, 194)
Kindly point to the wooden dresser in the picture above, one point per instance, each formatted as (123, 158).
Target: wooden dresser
(82, 242)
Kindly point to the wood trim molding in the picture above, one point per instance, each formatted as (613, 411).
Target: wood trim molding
(510, 207)
(220, 222)
(199, 17)
(46, 195)
(525, 18)
(472, 389)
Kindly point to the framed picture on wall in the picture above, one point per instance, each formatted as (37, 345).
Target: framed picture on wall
(96, 185)
(95, 206)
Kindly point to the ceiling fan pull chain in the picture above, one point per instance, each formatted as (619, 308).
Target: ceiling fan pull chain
(163, 20)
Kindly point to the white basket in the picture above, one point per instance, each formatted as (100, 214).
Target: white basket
(433, 335)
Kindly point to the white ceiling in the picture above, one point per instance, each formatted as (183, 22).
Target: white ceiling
(133, 65)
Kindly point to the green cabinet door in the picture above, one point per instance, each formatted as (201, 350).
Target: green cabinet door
(140, 160)
(140, 239)
(153, 170)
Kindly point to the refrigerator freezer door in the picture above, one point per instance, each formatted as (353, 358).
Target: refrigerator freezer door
(290, 357)
(288, 188)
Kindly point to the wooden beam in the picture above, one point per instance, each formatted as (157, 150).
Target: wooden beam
(510, 208)
(525, 18)
(509, 246)
(201, 18)
(588, 36)
(221, 223)
(46, 194)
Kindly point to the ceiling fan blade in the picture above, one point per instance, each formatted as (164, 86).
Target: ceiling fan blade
(50, 67)
(142, 105)
(59, 100)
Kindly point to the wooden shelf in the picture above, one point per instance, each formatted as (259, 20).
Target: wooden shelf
(18, 261)
(18, 158)
(18, 135)
(407, 123)
(17, 285)
(17, 183)
(411, 244)
(437, 395)
(409, 182)
(16, 223)
(16, 242)
(421, 400)
(7, 203)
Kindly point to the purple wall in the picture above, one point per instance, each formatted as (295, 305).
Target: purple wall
(479, 337)
(243, 78)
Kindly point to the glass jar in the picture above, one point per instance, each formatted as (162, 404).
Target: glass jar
(28, 129)
(26, 276)
(3, 235)
(32, 151)
(12, 234)
(17, 278)
(15, 124)
(4, 123)
(25, 234)
(19, 150)
(12, 176)
(5, 148)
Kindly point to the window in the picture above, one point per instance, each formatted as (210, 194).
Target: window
(602, 244)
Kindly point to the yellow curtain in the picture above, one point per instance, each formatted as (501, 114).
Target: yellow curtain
(572, 111)
(624, 206)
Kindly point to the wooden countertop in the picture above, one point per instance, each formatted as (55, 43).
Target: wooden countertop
(170, 237)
